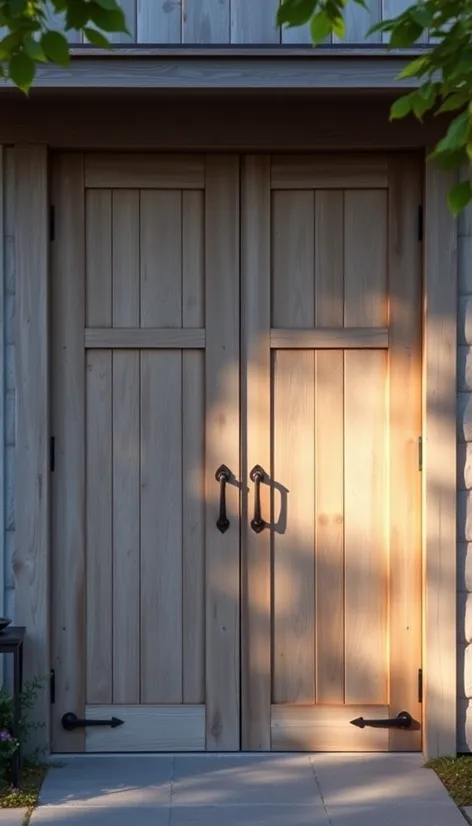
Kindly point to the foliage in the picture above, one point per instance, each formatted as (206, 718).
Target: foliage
(32, 776)
(31, 36)
(456, 774)
(8, 744)
(443, 71)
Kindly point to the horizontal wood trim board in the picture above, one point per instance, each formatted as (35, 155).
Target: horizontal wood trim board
(207, 72)
(329, 172)
(147, 728)
(144, 171)
(357, 338)
(184, 50)
(326, 728)
(151, 338)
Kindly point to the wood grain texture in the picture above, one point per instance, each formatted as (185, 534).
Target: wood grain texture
(159, 21)
(365, 267)
(254, 23)
(293, 546)
(151, 338)
(293, 285)
(222, 446)
(328, 172)
(358, 21)
(161, 259)
(256, 449)
(68, 419)
(365, 552)
(439, 476)
(148, 728)
(98, 277)
(354, 338)
(144, 171)
(99, 528)
(405, 595)
(326, 728)
(31, 558)
(126, 526)
(130, 10)
(297, 35)
(125, 258)
(329, 452)
(206, 21)
(193, 453)
(161, 527)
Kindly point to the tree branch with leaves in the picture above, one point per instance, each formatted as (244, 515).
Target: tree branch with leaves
(443, 71)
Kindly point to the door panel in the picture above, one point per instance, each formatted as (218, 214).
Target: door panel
(149, 354)
(333, 583)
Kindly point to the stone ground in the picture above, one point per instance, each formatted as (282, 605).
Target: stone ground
(245, 790)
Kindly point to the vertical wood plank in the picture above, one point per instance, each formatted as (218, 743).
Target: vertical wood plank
(439, 476)
(256, 424)
(99, 532)
(131, 13)
(206, 21)
(294, 565)
(161, 263)
(293, 305)
(99, 258)
(31, 557)
(159, 21)
(293, 221)
(405, 427)
(222, 446)
(365, 274)
(329, 452)
(125, 257)
(358, 22)
(56, 22)
(296, 35)
(393, 8)
(193, 452)
(68, 480)
(126, 527)
(365, 519)
(254, 23)
(161, 527)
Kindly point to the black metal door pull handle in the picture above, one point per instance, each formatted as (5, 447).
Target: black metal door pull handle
(223, 475)
(257, 476)
(402, 720)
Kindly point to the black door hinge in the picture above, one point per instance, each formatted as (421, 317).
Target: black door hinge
(52, 223)
(52, 454)
(420, 223)
(420, 453)
(420, 685)
(52, 683)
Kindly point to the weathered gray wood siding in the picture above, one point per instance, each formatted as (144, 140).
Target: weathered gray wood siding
(244, 22)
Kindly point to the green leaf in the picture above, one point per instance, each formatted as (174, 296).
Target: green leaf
(362, 3)
(108, 21)
(35, 51)
(424, 99)
(339, 27)
(405, 33)
(21, 70)
(56, 47)
(454, 101)
(108, 5)
(422, 15)
(459, 196)
(9, 44)
(415, 68)
(97, 38)
(456, 134)
(295, 12)
(403, 106)
(320, 27)
(17, 7)
(77, 15)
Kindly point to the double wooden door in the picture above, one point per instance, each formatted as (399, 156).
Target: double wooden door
(235, 339)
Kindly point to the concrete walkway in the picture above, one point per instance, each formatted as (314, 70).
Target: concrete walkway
(246, 790)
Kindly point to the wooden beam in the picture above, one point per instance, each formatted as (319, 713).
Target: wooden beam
(226, 72)
(439, 476)
(150, 338)
(355, 338)
(240, 124)
(31, 558)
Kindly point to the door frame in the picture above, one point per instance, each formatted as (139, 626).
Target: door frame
(32, 365)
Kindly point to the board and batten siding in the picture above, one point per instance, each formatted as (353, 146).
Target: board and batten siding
(242, 22)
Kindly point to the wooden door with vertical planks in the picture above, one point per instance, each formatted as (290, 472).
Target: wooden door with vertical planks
(331, 414)
(145, 384)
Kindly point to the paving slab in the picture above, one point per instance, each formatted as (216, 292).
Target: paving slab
(386, 779)
(248, 816)
(468, 812)
(93, 816)
(12, 817)
(411, 815)
(109, 782)
(271, 779)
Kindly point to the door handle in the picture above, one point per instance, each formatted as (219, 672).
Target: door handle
(223, 475)
(402, 720)
(257, 476)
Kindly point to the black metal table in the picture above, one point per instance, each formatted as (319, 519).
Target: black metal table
(11, 642)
